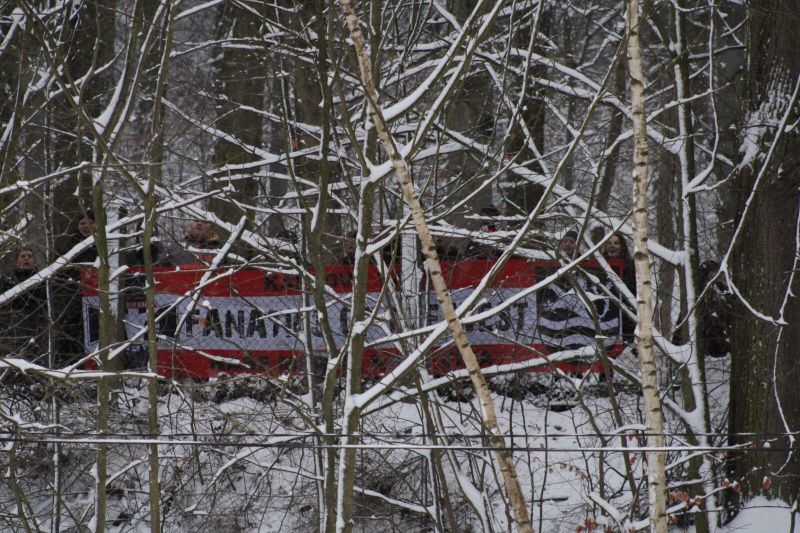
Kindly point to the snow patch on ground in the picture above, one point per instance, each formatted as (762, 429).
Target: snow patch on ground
(761, 515)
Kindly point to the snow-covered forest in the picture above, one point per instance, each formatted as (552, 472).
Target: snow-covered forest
(399, 265)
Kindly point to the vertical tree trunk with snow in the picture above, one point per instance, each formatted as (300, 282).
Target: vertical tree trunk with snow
(318, 226)
(152, 350)
(526, 134)
(644, 305)
(507, 467)
(612, 144)
(765, 257)
(468, 112)
(14, 68)
(694, 391)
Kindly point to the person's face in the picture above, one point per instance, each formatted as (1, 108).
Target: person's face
(25, 261)
(568, 246)
(86, 227)
(614, 247)
(200, 229)
(349, 246)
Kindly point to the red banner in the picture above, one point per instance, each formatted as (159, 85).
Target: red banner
(252, 321)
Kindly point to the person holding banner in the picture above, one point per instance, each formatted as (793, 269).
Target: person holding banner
(134, 257)
(200, 245)
(616, 248)
(483, 249)
(569, 244)
(83, 227)
(67, 301)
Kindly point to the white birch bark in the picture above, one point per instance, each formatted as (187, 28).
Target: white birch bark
(654, 417)
(513, 488)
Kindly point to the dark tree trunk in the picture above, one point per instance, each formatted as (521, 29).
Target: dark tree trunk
(525, 195)
(13, 68)
(90, 44)
(470, 111)
(765, 370)
(240, 84)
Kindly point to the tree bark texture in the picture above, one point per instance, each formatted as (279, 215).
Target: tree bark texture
(654, 417)
(506, 462)
(236, 92)
(764, 261)
(91, 45)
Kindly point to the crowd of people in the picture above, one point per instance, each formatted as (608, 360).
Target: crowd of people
(28, 318)
(23, 320)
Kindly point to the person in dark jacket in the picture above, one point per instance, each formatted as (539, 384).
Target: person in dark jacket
(483, 249)
(83, 228)
(25, 316)
(134, 257)
(200, 245)
(68, 296)
(568, 244)
(616, 248)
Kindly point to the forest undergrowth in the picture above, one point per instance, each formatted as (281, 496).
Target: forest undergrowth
(239, 453)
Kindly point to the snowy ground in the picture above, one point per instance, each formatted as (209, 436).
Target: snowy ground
(764, 516)
(241, 457)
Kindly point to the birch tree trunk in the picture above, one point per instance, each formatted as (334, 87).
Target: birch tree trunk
(507, 468)
(106, 326)
(654, 416)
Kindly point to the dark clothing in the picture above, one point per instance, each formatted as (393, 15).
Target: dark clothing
(68, 316)
(715, 320)
(86, 256)
(346, 259)
(447, 253)
(68, 302)
(714, 314)
(201, 252)
(135, 257)
(24, 318)
(477, 250)
(628, 277)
